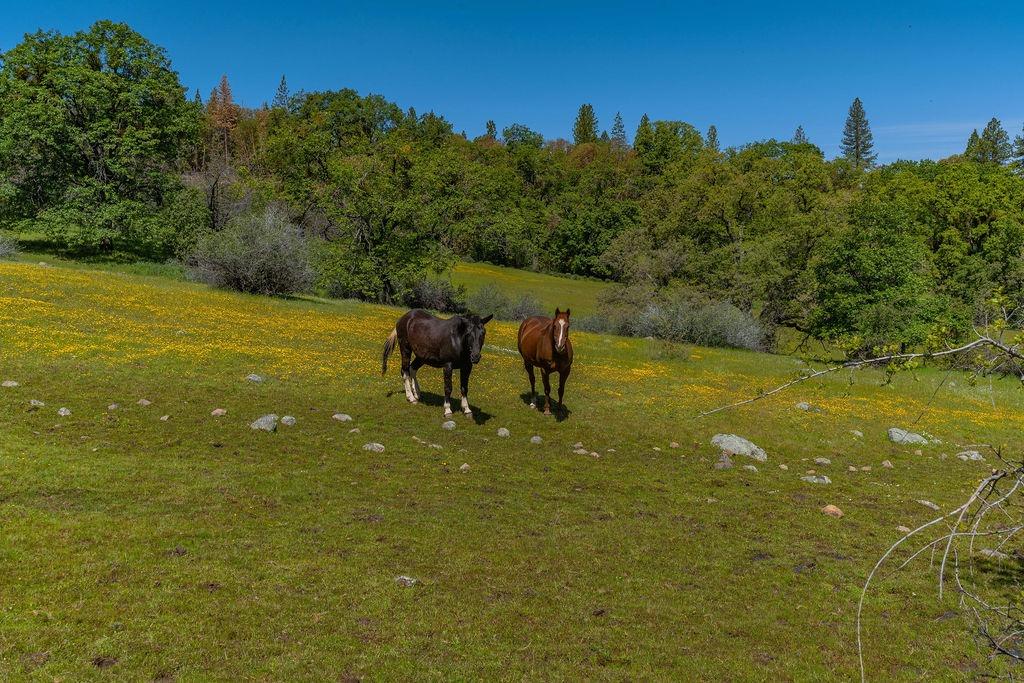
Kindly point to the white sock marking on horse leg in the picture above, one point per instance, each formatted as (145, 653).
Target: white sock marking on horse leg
(415, 386)
(447, 408)
(408, 387)
(465, 406)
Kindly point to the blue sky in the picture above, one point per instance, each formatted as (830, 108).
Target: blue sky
(927, 72)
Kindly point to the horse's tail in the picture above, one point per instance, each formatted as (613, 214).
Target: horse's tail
(389, 346)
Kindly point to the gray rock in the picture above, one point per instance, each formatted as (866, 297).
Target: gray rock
(737, 445)
(724, 462)
(36, 404)
(254, 378)
(752, 468)
(113, 406)
(374, 447)
(341, 417)
(897, 435)
(464, 467)
(578, 444)
(886, 464)
(783, 467)
(267, 423)
(929, 504)
(816, 479)
(674, 444)
(504, 433)
(807, 407)
(536, 439)
(8, 383)
(406, 581)
(822, 461)
(969, 455)
(165, 418)
(354, 430)
(993, 554)
(449, 425)
(288, 421)
(857, 433)
(903, 529)
(144, 402)
(64, 412)
(218, 412)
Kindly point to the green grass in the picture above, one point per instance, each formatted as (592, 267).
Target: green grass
(197, 548)
(552, 291)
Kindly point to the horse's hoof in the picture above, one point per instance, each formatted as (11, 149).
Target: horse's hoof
(467, 413)
(533, 406)
(547, 412)
(447, 413)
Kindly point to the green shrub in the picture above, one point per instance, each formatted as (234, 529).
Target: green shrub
(8, 246)
(489, 300)
(259, 253)
(436, 295)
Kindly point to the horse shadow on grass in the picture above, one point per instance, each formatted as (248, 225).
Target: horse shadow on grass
(559, 415)
(427, 398)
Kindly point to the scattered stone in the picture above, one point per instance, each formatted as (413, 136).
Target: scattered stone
(536, 439)
(143, 402)
(113, 406)
(929, 504)
(267, 423)
(724, 462)
(165, 418)
(406, 581)
(783, 466)
(36, 404)
(807, 407)
(64, 412)
(897, 435)
(857, 433)
(611, 450)
(822, 461)
(504, 433)
(437, 446)
(851, 468)
(886, 464)
(993, 554)
(218, 412)
(752, 468)
(288, 421)
(374, 447)
(449, 425)
(918, 452)
(832, 511)
(903, 529)
(865, 468)
(341, 417)
(737, 445)
(254, 378)
(354, 430)
(595, 454)
(969, 455)
(578, 444)
(674, 444)
(816, 479)
(464, 467)
(8, 384)
(712, 500)
(581, 451)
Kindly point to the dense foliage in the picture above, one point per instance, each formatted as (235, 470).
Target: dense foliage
(100, 149)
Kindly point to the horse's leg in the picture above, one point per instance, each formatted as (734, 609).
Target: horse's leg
(464, 388)
(546, 376)
(407, 372)
(533, 386)
(562, 376)
(417, 363)
(448, 390)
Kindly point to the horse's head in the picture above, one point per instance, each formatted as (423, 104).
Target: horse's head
(473, 334)
(560, 329)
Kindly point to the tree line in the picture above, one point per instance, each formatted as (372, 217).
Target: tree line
(102, 151)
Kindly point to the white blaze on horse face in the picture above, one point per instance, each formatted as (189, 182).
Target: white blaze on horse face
(560, 343)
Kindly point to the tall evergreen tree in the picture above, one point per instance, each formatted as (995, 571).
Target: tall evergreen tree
(800, 137)
(605, 137)
(973, 150)
(712, 140)
(643, 141)
(858, 142)
(282, 96)
(492, 130)
(1018, 152)
(619, 132)
(585, 128)
(995, 143)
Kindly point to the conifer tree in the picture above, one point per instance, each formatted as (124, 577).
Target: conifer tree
(282, 96)
(492, 130)
(800, 137)
(973, 150)
(643, 141)
(712, 141)
(995, 143)
(605, 137)
(619, 132)
(1018, 152)
(585, 128)
(858, 142)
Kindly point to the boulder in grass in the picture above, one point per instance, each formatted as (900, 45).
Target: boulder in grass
(737, 445)
(536, 439)
(64, 412)
(144, 402)
(406, 581)
(897, 435)
(724, 462)
(816, 479)
(256, 379)
(288, 421)
(887, 464)
(822, 461)
(8, 383)
(36, 404)
(969, 455)
(218, 412)
(113, 406)
(832, 511)
(504, 433)
(267, 423)
(341, 417)
(448, 425)
(464, 467)
(374, 447)
(928, 504)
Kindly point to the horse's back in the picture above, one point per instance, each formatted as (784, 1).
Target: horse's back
(531, 332)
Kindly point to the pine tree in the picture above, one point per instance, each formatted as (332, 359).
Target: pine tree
(995, 143)
(1018, 152)
(643, 141)
(585, 128)
(492, 130)
(800, 137)
(712, 141)
(223, 113)
(605, 137)
(619, 132)
(857, 139)
(282, 96)
(973, 150)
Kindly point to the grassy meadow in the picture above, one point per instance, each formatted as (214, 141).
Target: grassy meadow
(580, 294)
(159, 542)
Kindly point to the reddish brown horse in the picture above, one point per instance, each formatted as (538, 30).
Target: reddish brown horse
(544, 343)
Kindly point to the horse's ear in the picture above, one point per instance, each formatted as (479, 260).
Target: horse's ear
(484, 321)
(557, 312)
(567, 312)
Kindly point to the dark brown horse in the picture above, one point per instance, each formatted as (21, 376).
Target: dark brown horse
(544, 343)
(423, 339)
